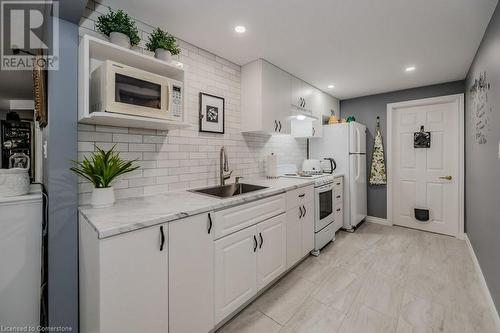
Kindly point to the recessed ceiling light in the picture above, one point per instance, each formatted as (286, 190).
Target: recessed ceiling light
(410, 68)
(240, 29)
(301, 117)
(331, 86)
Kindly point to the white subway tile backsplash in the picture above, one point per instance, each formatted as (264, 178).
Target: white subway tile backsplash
(185, 158)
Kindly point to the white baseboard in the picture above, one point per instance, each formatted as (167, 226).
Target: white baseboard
(484, 286)
(377, 220)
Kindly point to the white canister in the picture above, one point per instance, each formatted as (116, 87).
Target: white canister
(14, 182)
(272, 166)
(120, 39)
(103, 197)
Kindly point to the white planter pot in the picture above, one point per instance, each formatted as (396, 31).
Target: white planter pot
(103, 197)
(163, 54)
(120, 39)
(14, 182)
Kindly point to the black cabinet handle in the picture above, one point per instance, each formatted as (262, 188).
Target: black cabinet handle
(302, 195)
(261, 240)
(210, 223)
(279, 122)
(254, 243)
(338, 196)
(338, 209)
(338, 183)
(275, 125)
(314, 131)
(305, 211)
(301, 213)
(162, 238)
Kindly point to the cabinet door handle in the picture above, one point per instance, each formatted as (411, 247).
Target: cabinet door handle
(275, 125)
(302, 195)
(279, 122)
(301, 213)
(304, 103)
(162, 238)
(210, 223)
(254, 243)
(338, 196)
(261, 240)
(305, 211)
(314, 131)
(338, 209)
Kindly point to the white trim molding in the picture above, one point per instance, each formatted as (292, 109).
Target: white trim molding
(378, 220)
(391, 107)
(484, 286)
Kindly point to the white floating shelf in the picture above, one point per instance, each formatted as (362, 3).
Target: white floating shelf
(123, 120)
(92, 52)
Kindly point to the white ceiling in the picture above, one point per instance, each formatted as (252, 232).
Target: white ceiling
(361, 46)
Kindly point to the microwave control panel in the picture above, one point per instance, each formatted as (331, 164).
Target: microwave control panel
(177, 101)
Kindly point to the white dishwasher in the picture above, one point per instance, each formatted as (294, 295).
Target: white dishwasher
(20, 258)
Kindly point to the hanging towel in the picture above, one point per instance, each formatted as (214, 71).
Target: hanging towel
(378, 176)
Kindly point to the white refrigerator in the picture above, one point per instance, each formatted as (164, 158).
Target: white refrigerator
(346, 144)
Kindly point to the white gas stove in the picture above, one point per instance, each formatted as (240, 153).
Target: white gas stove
(320, 179)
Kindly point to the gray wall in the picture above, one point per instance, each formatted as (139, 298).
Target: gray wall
(61, 135)
(482, 191)
(366, 109)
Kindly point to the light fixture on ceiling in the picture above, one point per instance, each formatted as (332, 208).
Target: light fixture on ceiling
(240, 29)
(331, 86)
(410, 68)
(301, 117)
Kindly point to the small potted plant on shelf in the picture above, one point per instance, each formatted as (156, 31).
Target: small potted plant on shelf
(162, 44)
(101, 169)
(119, 27)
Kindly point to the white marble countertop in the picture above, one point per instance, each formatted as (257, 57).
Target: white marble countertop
(141, 212)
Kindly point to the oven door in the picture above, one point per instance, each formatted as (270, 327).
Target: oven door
(324, 212)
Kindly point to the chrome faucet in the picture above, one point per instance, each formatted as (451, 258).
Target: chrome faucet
(224, 167)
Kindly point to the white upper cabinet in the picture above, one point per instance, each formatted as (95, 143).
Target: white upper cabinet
(331, 104)
(265, 98)
(302, 97)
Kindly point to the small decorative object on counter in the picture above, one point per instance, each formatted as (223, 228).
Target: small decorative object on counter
(333, 120)
(163, 45)
(378, 175)
(350, 119)
(119, 27)
(101, 169)
(15, 180)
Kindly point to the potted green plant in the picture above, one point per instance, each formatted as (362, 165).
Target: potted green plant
(162, 44)
(119, 27)
(101, 169)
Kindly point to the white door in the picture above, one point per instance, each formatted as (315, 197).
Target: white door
(271, 254)
(134, 291)
(191, 275)
(235, 271)
(294, 236)
(427, 178)
(307, 225)
(358, 188)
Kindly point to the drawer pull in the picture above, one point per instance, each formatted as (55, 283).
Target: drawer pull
(338, 196)
(338, 209)
(302, 195)
(338, 183)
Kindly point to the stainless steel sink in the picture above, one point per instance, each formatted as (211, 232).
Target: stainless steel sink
(229, 190)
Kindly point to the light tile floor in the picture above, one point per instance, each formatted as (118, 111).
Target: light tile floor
(378, 279)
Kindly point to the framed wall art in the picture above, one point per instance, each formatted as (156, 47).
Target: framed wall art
(212, 113)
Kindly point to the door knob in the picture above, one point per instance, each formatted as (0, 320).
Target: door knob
(446, 177)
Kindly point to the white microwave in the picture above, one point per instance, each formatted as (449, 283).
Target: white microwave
(119, 88)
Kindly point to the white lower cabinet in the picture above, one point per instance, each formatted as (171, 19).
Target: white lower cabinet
(191, 275)
(299, 232)
(271, 254)
(124, 281)
(235, 271)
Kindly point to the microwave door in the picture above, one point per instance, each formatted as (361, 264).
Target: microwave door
(137, 92)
